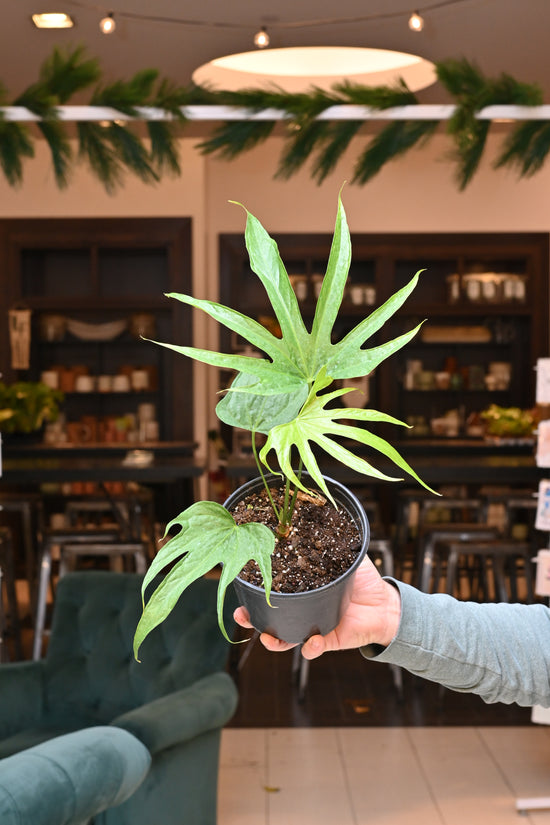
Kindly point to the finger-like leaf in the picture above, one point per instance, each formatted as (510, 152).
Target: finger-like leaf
(352, 362)
(349, 347)
(316, 424)
(209, 536)
(244, 326)
(332, 289)
(266, 262)
(271, 379)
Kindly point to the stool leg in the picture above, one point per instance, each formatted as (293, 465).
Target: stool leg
(452, 564)
(43, 582)
(140, 560)
(500, 581)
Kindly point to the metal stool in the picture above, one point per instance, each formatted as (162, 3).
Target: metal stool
(497, 552)
(437, 540)
(51, 538)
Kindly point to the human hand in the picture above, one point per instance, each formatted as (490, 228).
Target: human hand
(372, 617)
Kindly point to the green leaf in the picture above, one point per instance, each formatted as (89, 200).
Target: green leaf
(347, 359)
(315, 423)
(258, 413)
(244, 326)
(332, 289)
(265, 261)
(271, 379)
(209, 536)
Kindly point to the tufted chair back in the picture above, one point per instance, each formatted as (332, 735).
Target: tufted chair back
(90, 673)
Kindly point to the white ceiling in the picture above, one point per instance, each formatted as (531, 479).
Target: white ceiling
(499, 35)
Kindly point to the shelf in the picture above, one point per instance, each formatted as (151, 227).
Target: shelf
(519, 329)
(96, 271)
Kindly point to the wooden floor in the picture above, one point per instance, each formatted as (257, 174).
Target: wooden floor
(345, 690)
(381, 776)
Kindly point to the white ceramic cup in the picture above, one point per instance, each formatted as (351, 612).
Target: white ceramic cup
(121, 383)
(84, 383)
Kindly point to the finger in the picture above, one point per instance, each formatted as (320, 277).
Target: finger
(314, 647)
(275, 645)
(242, 617)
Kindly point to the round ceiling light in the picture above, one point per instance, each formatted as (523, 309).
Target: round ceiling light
(296, 69)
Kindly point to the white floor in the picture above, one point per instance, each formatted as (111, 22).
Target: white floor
(410, 776)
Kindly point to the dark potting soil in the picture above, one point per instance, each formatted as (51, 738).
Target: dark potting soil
(322, 544)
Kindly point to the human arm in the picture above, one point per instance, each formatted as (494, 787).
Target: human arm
(499, 651)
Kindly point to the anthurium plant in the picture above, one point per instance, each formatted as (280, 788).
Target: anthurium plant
(284, 396)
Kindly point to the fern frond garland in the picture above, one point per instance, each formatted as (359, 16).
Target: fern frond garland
(116, 149)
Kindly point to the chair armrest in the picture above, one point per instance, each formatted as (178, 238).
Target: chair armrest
(71, 778)
(22, 692)
(179, 716)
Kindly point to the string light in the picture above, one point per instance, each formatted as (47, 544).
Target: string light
(416, 22)
(275, 25)
(108, 25)
(261, 39)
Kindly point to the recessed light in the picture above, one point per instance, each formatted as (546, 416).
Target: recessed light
(297, 69)
(52, 20)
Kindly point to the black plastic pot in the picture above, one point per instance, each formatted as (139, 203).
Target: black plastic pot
(294, 617)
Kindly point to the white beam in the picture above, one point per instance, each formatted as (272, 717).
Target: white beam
(223, 113)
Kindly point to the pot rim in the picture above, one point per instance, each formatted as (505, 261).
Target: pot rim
(362, 525)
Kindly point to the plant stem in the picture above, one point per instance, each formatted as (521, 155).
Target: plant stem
(278, 513)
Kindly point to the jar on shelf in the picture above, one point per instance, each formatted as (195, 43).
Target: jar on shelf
(453, 288)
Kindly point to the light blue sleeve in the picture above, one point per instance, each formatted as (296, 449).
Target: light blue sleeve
(499, 651)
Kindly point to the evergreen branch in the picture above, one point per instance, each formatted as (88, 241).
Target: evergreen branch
(302, 105)
(377, 97)
(60, 77)
(60, 148)
(473, 92)
(64, 74)
(337, 139)
(15, 145)
(393, 140)
(125, 96)
(164, 152)
(235, 137)
(526, 147)
(128, 147)
(101, 156)
(300, 145)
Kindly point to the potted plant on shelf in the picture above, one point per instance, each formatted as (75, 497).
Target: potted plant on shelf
(26, 406)
(287, 397)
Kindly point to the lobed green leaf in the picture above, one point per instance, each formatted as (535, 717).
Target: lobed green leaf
(209, 536)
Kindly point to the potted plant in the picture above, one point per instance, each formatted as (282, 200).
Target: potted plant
(26, 406)
(288, 398)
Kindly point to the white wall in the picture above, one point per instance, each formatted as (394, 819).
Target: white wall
(414, 194)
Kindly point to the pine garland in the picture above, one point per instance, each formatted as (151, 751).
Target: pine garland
(115, 149)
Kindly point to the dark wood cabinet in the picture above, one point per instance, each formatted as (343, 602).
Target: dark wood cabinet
(103, 281)
(483, 298)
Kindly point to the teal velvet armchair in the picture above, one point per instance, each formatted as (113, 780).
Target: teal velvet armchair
(175, 700)
(69, 779)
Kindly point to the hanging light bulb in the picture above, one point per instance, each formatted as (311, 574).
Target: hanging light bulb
(261, 38)
(108, 25)
(416, 22)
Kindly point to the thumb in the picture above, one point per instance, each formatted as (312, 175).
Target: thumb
(314, 647)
